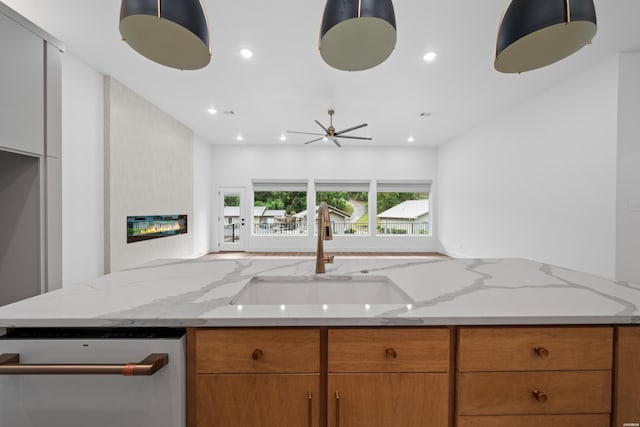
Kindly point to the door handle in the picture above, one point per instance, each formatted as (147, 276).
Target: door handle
(309, 409)
(10, 365)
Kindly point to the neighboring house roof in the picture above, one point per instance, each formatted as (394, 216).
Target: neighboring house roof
(409, 209)
(272, 212)
(303, 214)
(259, 210)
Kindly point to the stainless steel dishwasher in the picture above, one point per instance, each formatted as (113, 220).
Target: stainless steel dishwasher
(125, 377)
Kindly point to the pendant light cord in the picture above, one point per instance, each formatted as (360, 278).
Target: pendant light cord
(568, 11)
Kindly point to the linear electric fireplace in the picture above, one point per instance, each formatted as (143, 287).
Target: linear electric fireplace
(155, 226)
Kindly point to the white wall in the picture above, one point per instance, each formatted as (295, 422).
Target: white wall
(149, 171)
(538, 181)
(82, 171)
(628, 178)
(238, 165)
(203, 190)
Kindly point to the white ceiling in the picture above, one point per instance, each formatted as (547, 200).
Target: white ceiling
(286, 85)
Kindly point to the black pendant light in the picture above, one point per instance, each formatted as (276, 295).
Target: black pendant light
(357, 34)
(174, 33)
(535, 33)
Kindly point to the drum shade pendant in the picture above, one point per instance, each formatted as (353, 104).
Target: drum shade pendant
(536, 33)
(357, 34)
(174, 33)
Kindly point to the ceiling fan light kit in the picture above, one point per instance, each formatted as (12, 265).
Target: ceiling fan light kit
(174, 33)
(357, 35)
(536, 33)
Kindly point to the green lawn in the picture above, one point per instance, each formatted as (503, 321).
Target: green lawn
(364, 219)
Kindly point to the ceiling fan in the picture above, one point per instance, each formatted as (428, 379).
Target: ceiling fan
(331, 134)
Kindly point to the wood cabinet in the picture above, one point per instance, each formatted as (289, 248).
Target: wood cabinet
(388, 377)
(538, 376)
(317, 377)
(254, 377)
(627, 379)
(257, 400)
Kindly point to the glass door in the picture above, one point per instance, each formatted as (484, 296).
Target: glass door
(232, 219)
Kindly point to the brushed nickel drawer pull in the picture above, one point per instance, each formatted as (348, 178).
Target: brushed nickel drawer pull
(310, 409)
(391, 353)
(541, 351)
(10, 365)
(540, 396)
(337, 409)
(257, 354)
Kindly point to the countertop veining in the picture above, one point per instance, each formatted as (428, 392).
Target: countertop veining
(445, 292)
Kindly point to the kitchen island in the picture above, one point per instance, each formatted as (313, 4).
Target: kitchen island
(474, 342)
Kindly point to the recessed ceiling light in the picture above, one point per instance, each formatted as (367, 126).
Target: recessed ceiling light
(325, 139)
(283, 138)
(212, 110)
(410, 139)
(239, 138)
(246, 53)
(430, 56)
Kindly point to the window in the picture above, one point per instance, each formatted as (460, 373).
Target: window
(348, 206)
(402, 208)
(279, 208)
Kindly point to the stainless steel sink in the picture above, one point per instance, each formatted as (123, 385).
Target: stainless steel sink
(324, 289)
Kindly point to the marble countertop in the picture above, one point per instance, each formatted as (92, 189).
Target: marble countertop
(181, 293)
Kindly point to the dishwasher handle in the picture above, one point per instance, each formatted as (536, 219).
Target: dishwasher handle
(10, 365)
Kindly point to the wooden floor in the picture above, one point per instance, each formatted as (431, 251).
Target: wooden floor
(235, 255)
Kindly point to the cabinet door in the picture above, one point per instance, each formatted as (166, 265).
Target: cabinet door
(388, 400)
(21, 88)
(260, 400)
(627, 406)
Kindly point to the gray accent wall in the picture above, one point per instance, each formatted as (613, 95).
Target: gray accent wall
(148, 171)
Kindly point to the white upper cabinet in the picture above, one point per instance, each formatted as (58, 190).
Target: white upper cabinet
(21, 88)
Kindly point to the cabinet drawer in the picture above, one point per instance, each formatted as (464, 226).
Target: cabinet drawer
(389, 350)
(534, 349)
(569, 392)
(257, 351)
(597, 420)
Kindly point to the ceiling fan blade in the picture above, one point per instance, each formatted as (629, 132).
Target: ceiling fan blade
(314, 140)
(350, 129)
(306, 133)
(354, 137)
(323, 128)
(335, 141)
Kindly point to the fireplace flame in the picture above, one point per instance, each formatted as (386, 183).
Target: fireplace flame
(159, 228)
